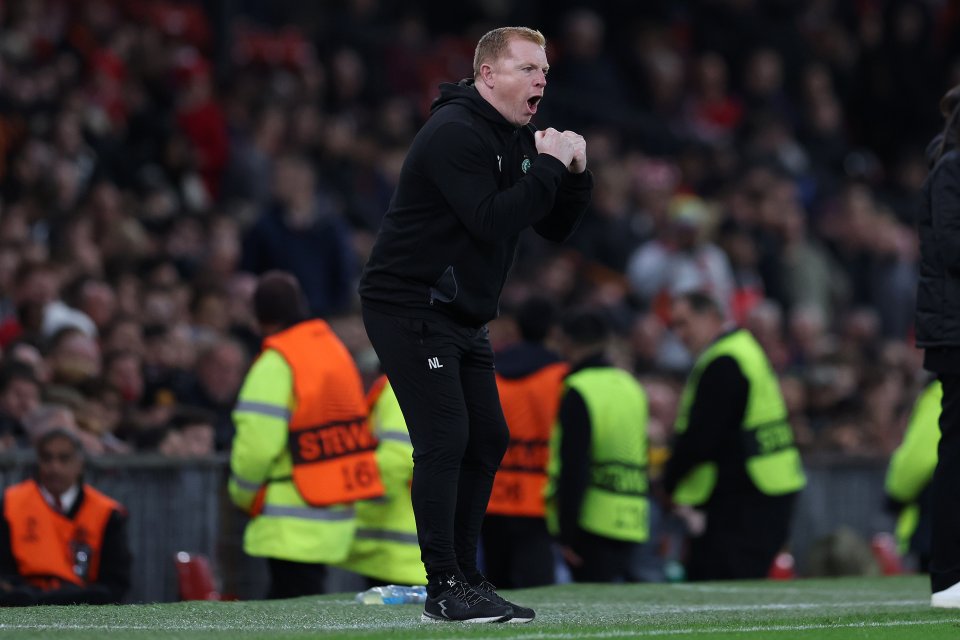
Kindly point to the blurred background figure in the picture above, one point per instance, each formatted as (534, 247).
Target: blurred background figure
(597, 496)
(733, 458)
(517, 548)
(61, 540)
(303, 453)
(909, 474)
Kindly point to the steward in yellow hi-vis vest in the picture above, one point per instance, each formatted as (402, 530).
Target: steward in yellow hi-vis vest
(910, 472)
(385, 546)
(733, 455)
(597, 495)
(303, 452)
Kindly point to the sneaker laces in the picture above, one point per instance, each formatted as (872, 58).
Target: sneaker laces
(489, 592)
(465, 592)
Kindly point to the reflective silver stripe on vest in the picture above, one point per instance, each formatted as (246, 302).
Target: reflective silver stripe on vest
(244, 484)
(389, 536)
(264, 409)
(307, 513)
(396, 436)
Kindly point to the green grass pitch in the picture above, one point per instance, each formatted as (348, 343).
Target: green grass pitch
(878, 608)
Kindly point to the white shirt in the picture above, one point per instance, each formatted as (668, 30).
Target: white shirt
(67, 498)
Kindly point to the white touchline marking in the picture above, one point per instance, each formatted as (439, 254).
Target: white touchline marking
(648, 610)
(676, 608)
(546, 634)
(702, 630)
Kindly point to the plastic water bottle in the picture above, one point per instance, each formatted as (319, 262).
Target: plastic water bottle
(393, 594)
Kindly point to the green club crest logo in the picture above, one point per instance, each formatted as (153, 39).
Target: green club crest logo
(525, 165)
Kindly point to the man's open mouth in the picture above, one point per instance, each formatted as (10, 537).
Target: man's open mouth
(532, 103)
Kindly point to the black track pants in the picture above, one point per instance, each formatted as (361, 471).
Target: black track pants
(443, 376)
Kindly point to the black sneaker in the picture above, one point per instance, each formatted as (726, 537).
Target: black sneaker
(520, 614)
(459, 602)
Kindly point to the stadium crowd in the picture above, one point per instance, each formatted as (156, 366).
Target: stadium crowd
(154, 158)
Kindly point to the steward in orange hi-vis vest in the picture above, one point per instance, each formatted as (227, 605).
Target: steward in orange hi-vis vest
(51, 549)
(530, 405)
(331, 445)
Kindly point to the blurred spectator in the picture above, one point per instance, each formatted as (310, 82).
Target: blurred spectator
(48, 417)
(303, 233)
(586, 67)
(101, 414)
(19, 395)
(810, 278)
(684, 259)
(713, 113)
(72, 357)
(201, 118)
(196, 429)
(219, 373)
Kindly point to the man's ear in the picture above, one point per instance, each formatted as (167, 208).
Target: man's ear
(486, 74)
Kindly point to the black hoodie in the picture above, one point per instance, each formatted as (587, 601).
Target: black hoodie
(470, 184)
(937, 319)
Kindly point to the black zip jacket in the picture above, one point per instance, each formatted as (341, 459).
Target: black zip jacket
(470, 184)
(938, 292)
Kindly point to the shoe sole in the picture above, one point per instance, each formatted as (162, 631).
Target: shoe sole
(426, 617)
(953, 603)
(516, 620)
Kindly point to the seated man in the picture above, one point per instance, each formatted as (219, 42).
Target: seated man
(61, 541)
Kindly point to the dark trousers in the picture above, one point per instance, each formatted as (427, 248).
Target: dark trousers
(518, 552)
(443, 376)
(945, 491)
(744, 534)
(604, 559)
(293, 579)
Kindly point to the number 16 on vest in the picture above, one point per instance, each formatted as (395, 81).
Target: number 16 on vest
(335, 463)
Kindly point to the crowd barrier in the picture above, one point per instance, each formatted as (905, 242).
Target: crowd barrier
(182, 505)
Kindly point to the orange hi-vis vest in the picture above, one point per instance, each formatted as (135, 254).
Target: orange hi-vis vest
(51, 549)
(530, 406)
(332, 448)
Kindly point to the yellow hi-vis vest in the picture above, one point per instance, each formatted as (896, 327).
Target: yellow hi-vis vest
(615, 504)
(772, 460)
(385, 545)
(284, 524)
(912, 464)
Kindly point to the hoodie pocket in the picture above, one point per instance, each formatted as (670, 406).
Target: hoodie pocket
(445, 289)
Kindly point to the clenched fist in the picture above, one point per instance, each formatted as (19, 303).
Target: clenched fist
(568, 147)
(553, 143)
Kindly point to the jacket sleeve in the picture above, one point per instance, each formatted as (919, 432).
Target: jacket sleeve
(945, 203)
(718, 408)
(574, 421)
(260, 416)
(462, 168)
(569, 208)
